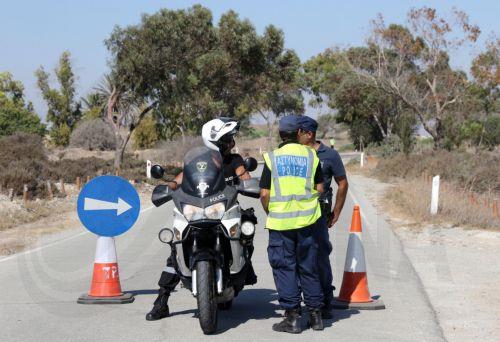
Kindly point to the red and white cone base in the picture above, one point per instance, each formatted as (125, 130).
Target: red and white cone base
(354, 292)
(105, 287)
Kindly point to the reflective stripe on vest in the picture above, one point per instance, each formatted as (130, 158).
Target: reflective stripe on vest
(293, 214)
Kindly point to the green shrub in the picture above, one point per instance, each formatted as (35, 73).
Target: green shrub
(145, 135)
(491, 136)
(14, 119)
(60, 135)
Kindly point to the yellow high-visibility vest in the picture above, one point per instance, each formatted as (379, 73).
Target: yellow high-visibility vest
(294, 201)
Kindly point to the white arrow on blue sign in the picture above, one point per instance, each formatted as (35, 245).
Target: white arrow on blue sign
(108, 206)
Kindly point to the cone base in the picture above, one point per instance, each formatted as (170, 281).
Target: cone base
(375, 304)
(123, 299)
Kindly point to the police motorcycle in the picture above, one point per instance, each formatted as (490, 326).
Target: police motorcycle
(211, 236)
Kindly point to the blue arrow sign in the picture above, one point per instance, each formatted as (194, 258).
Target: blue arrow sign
(108, 205)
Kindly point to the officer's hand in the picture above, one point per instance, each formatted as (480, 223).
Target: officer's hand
(333, 220)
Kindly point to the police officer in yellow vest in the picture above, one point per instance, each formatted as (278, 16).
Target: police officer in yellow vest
(289, 184)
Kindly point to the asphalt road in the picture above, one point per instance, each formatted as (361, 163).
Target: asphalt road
(39, 289)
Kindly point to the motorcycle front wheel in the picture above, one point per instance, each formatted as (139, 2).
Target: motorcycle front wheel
(206, 297)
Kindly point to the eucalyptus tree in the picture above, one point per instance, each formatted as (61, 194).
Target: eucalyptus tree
(195, 70)
(64, 110)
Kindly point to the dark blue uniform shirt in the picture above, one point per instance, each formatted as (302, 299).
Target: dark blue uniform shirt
(331, 166)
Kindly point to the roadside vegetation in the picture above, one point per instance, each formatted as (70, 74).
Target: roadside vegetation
(470, 172)
(469, 186)
(411, 199)
(398, 96)
(24, 161)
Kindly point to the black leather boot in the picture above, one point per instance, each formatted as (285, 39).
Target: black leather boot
(251, 277)
(291, 323)
(327, 312)
(315, 320)
(160, 309)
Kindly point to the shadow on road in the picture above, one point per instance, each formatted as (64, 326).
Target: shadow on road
(143, 292)
(339, 315)
(251, 304)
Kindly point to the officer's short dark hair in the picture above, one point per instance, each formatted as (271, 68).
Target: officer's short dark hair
(288, 136)
(313, 132)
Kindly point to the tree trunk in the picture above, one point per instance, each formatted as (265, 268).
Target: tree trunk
(119, 148)
(389, 127)
(183, 136)
(379, 125)
(269, 134)
(439, 137)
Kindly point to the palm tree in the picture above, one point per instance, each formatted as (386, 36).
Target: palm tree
(124, 112)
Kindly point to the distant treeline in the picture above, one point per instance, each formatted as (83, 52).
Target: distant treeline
(176, 69)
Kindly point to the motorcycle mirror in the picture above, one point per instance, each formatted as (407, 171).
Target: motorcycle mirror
(249, 187)
(166, 235)
(157, 172)
(161, 195)
(250, 164)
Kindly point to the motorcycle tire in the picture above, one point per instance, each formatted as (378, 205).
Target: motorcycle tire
(226, 305)
(206, 297)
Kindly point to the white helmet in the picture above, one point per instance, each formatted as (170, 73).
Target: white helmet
(218, 133)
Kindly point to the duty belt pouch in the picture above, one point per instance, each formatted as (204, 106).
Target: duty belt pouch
(326, 207)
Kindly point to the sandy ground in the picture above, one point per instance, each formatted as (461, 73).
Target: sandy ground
(458, 268)
(15, 239)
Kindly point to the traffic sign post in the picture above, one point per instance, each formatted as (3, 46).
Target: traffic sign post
(107, 206)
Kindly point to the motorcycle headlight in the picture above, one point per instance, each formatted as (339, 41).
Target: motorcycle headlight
(247, 228)
(215, 211)
(192, 213)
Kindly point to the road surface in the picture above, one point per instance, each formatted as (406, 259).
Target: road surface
(39, 289)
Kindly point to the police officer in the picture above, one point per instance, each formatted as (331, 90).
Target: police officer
(332, 168)
(290, 183)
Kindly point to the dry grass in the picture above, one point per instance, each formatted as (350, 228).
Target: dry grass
(412, 198)
(411, 194)
(368, 169)
(15, 213)
(476, 172)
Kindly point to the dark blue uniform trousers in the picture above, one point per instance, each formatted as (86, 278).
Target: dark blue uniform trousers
(293, 255)
(324, 266)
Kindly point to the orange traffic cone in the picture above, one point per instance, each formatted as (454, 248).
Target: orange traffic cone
(354, 293)
(105, 287)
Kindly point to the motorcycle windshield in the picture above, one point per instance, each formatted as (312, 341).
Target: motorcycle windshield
(203, 172)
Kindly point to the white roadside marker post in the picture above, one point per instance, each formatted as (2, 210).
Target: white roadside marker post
(362, 159)
(148, 169)
(435, 195)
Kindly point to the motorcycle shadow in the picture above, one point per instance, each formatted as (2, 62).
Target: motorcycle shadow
(251, 304)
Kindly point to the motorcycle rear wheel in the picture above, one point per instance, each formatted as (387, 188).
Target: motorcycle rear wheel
(206, 297)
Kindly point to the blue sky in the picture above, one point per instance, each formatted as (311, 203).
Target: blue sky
(35, 33)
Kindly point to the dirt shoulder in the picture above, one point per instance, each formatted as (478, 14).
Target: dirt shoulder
(23, 227)
(457, 267)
